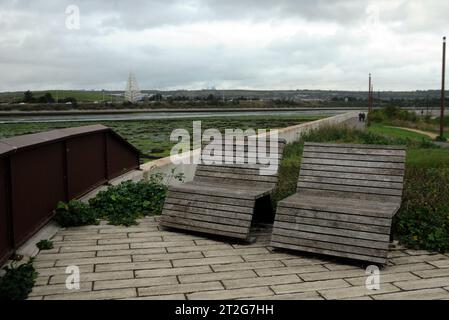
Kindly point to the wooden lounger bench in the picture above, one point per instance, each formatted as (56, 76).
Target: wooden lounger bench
(221, 199)
(347, 196)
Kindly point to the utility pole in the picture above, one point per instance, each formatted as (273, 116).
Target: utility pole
(369, 93)
(443, 75)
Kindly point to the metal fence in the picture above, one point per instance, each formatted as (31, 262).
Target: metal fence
(38, 170)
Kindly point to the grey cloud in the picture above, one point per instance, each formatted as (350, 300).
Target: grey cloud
(150, 38)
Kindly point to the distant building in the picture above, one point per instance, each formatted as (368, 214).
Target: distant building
(132, 92)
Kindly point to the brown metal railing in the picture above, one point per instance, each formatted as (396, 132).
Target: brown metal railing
(38, 170)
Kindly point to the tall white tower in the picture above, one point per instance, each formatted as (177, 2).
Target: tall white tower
(132, 92)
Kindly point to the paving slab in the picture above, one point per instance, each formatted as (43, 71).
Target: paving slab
(146, 262)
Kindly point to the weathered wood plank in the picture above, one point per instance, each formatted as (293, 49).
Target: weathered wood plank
(210, 199)
(332, 231)
(352, 182)
(212, 190)
(177, 225)
(321, 214)
(348, 169)
(341, 205)
(346, 150)
(268, 186)
(331, 246)
(193, 214)
(355, 176)
(218, 212)
(354, 163)
(234, 170)
(357, 146)
(329, 252)
(209, 205)
(329, 238)
(357, 157)
(351, 195)
(241, 176)
(358, 189)
(366, 227)
(203, 224)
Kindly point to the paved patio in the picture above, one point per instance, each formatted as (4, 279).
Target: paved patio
(144, 262)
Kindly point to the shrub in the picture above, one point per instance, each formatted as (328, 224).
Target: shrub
(18, 282)
(391, 113)
(128, 201)
(441, 139)
(121, 204)
(423, 220)
(75, 213)
(45, 245)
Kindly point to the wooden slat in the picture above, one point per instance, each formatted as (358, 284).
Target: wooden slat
(356, 157)
(348, 169)
(214, 190)
(357, 146)
(354, 196)
(177, 225)
(194, 215)
(237, 176)
(357, 189)
(329, 252)
(205, 225)
(329, 238)
(366, 227)
(210, 199)
(334, 216)
(331, 246)
(355, 176)
(208, 211)
(267, 186)
(235, 170)
(210, 205)
(352, 182)
(353, 163)
(332, 231)
(333, 149)
(340, 205)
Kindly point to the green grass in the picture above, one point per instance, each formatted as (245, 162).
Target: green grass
(428, 158)
(396, 132)
(152, 137)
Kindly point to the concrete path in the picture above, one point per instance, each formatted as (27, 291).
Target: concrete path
(145, 262)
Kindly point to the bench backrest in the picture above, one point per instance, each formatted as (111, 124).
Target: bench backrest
(246, 173)
(370, 172)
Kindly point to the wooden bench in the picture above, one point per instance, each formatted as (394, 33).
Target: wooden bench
(347, 196)
(221, 199)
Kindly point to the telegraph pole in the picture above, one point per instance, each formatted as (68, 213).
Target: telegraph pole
(443, 75)
(369, 93)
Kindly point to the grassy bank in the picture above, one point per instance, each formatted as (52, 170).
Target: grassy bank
(423, 220)
(152, 137)
(396, 117)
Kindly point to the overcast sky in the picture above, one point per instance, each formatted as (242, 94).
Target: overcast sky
(229, 44)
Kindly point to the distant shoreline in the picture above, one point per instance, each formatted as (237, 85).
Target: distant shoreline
(165, 110)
